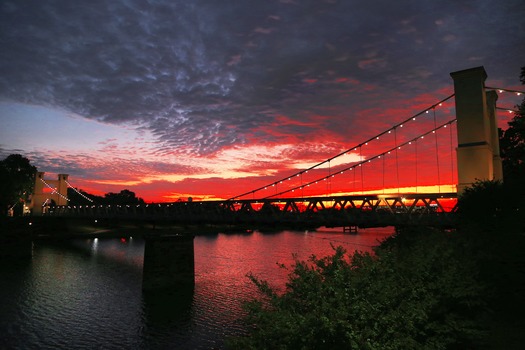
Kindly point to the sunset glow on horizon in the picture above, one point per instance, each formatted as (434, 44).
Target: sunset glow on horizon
(212, 100)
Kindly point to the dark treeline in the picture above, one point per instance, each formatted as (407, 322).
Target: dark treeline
(512, 147)
(80, 197)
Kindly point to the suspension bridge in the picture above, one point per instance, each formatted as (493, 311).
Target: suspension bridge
(409, 173)
(422, 170)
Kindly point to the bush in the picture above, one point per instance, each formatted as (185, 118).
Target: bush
(422, 296)
(488, 205)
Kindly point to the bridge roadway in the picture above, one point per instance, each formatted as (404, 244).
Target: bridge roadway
(432, 209)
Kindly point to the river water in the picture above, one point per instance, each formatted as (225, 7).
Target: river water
(86, 294)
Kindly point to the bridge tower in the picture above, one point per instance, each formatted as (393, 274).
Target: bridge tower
(478, 154)
(40, 197)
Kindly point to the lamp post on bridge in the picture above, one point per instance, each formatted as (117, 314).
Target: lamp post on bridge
(478, 155)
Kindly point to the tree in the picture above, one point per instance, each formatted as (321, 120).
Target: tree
(420, 291)
(490, 205)
(17, 179)
(124, 197)
(512, 147)
(78, 197)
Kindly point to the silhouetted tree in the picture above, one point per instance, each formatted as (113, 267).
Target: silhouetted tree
(77, 199)
(122, 198)
(17, 179)
(512, 147)
(490, 205)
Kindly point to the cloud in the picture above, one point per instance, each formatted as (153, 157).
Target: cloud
(199, 79)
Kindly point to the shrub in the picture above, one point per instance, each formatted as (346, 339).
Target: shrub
(424, 295)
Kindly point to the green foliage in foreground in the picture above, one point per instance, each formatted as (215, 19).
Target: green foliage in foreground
(422, 289)
(420, 296)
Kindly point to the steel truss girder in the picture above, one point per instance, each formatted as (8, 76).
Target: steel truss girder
(362, 210)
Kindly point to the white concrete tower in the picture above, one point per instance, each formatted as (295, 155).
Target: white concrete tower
(478, 143)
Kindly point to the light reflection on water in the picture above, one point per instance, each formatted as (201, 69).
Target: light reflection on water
(87, 294)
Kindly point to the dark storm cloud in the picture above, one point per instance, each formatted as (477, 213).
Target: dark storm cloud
(201, 75)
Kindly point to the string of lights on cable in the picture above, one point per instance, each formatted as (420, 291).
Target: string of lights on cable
(54, 190)
(369, 160)
(511, 91)
(77, 191)
(390, 130)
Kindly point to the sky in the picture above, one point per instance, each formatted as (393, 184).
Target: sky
(211, 99)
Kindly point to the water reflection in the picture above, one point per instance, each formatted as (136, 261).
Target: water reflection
(94, 246)
(167, 316)
(86, 294)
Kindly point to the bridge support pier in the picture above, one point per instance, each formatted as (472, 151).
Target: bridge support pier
(169, 262)
(478, 143)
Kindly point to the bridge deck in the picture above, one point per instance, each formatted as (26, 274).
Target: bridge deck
(433, 209)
